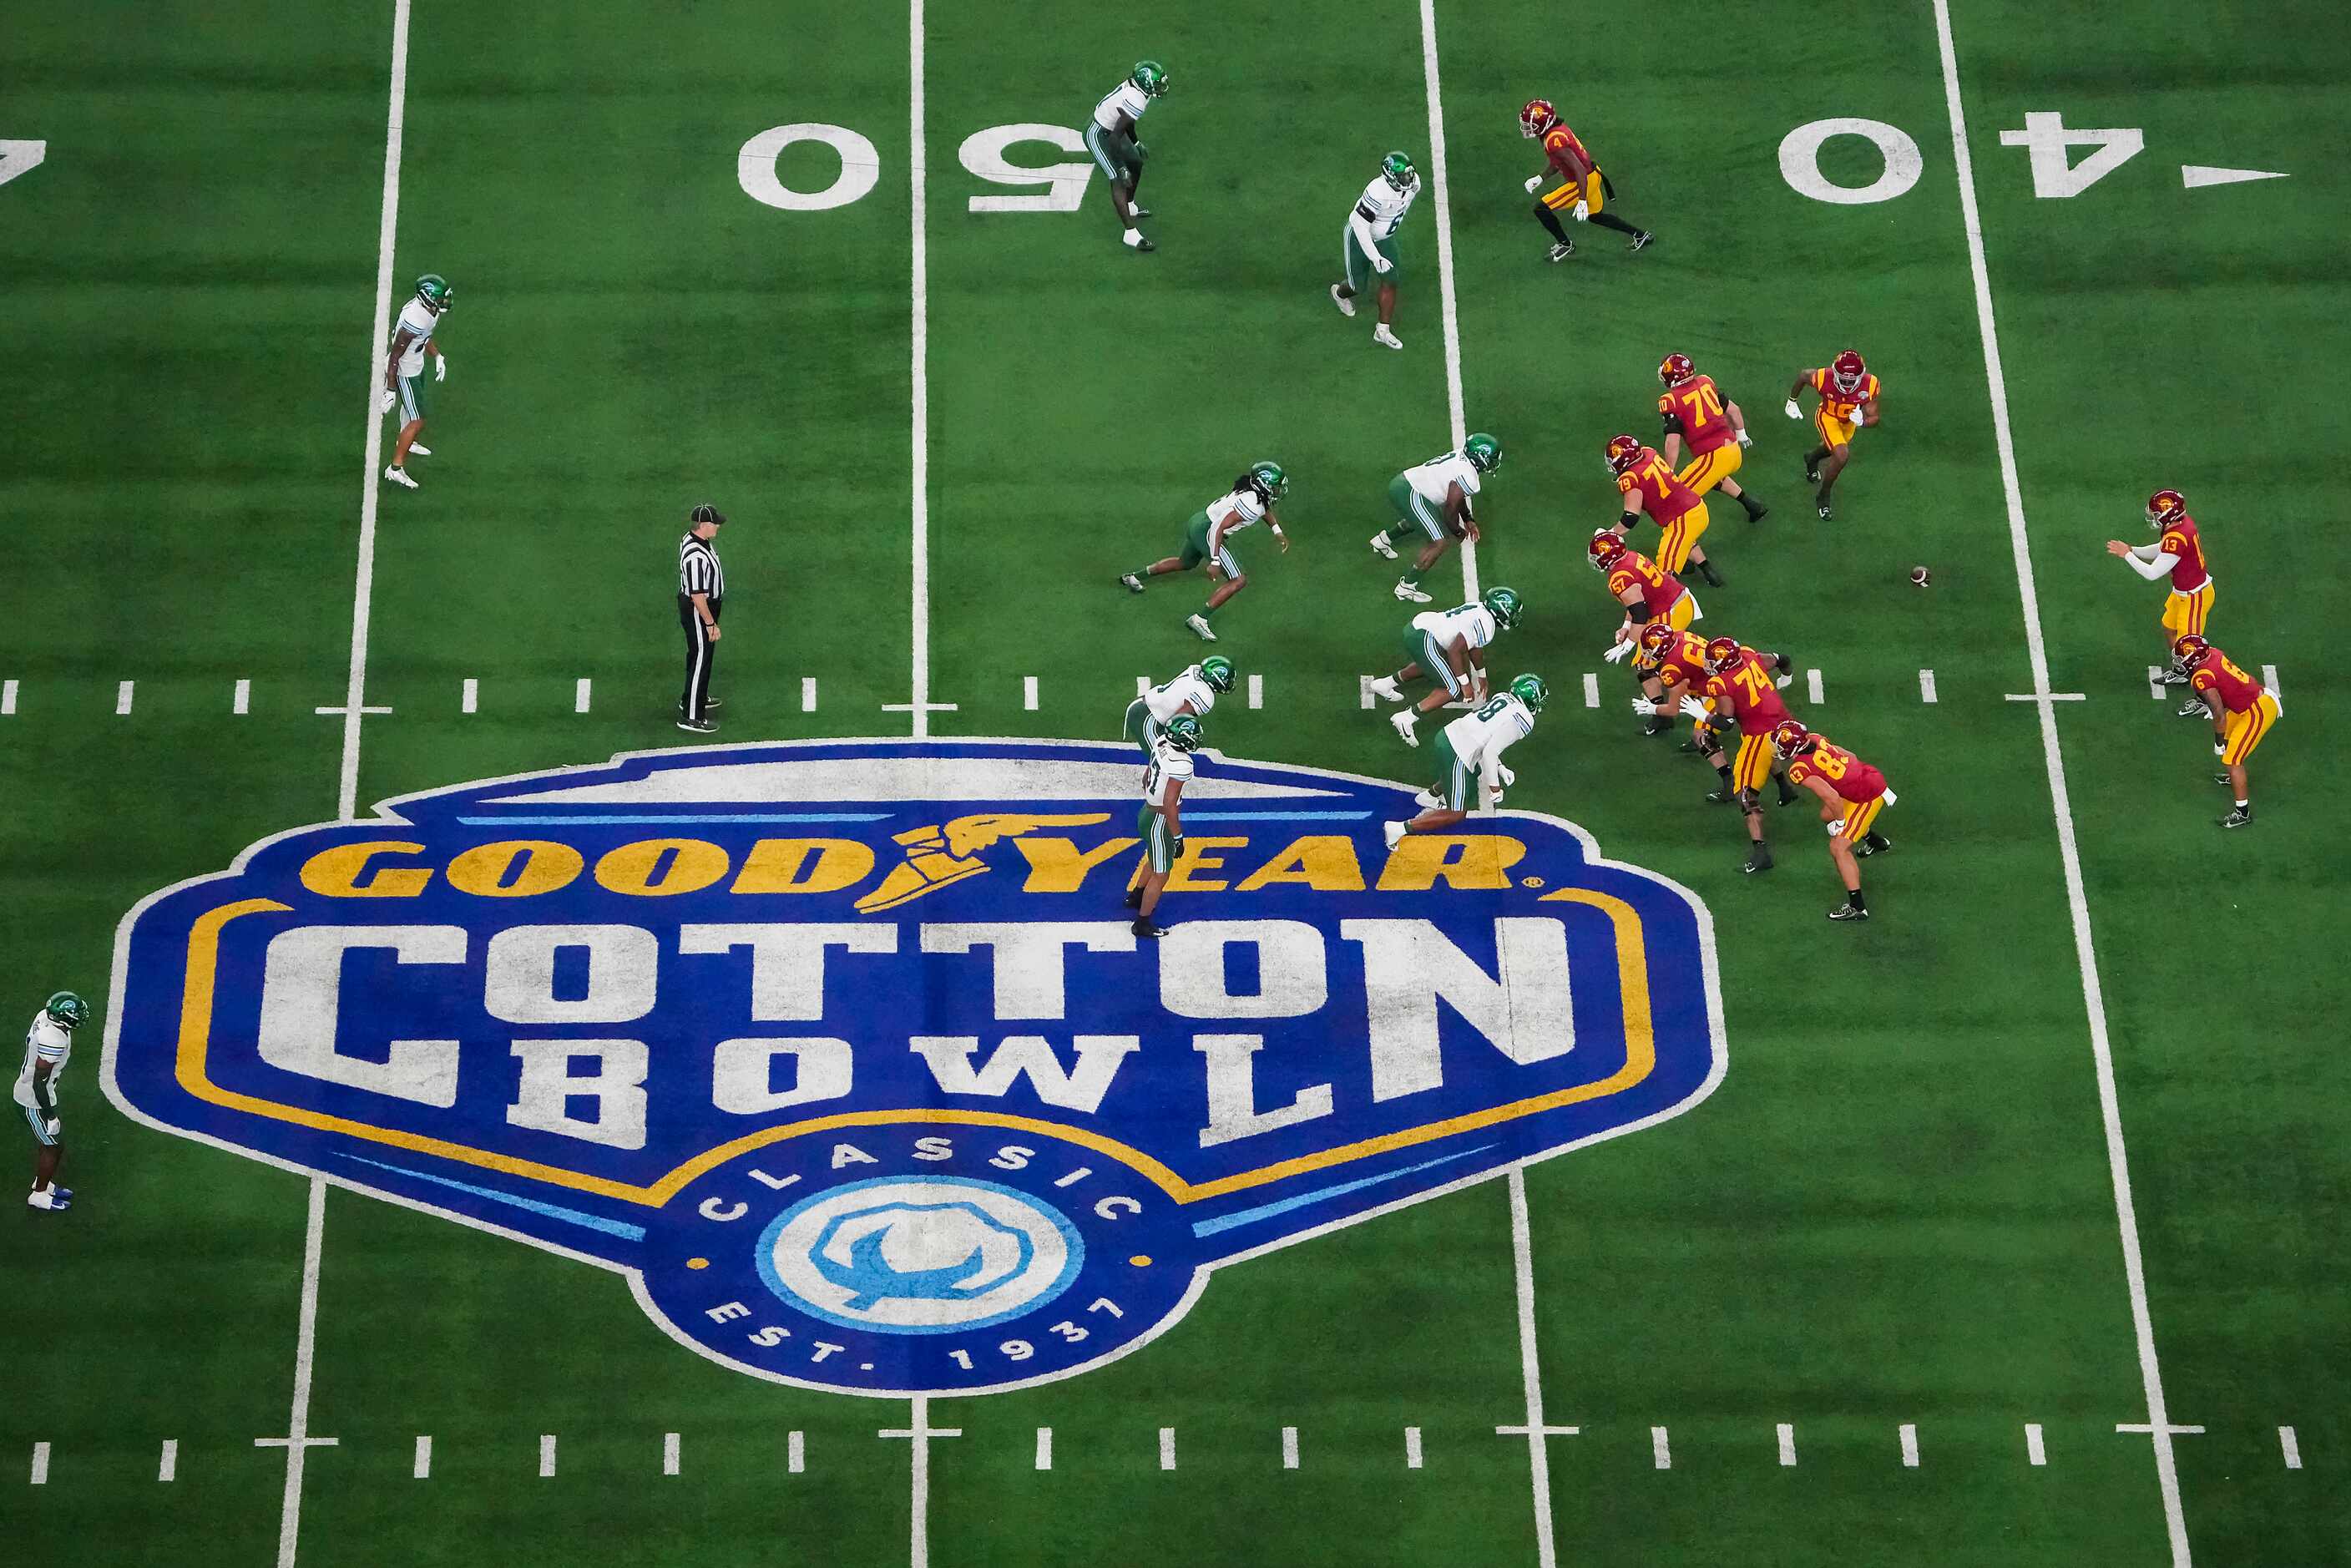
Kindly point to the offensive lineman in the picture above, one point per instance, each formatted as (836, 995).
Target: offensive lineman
(1110, 137)
(403, 370)
(1468, 750)
(1367, 246)
(1692, 406)
(1250, 500)
(1433, 499)
(1161, 820)
(1449, 647)
(1195, 691)
(47, 1043)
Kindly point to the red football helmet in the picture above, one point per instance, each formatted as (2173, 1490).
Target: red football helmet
(2190, 652)
(1676, 369)
(2166, 507)
(1622, 450)
(1606, 549)
(1790, 738)
(1721, 654)
(1847, 370)
(1537, 118)
(1655, 638)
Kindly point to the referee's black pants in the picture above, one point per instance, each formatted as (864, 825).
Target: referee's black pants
(701, 657)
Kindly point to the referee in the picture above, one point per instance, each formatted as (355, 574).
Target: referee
(701, 589)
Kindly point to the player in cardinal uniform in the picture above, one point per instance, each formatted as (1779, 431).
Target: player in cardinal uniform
(2179, 551)
(1578, 187)
(1650, 488)
(2242, 712)
(1743, 687)
(1672, 667)
(1651, 597)
(1694, 410)
(1852, 793)
(1848, 400)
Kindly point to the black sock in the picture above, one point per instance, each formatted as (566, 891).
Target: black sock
(1824, 497)
(1611, 221)
(1705, 570)
(1753, 507)
(1549, 220)
(1816, 457)
(1725, 771)
(1854, 898)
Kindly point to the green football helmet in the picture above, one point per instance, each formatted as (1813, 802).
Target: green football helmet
(1504, 603)
(1271, 478)
(1530, 690)
(1397, 167)
(1150, 76)
(1217, 671)
(1485, 453)
(1182, 732)
(434, 290)
(67, 1009)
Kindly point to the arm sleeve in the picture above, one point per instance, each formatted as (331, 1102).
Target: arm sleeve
(2151, 568)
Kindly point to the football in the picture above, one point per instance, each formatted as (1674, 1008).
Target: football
(1921, 576)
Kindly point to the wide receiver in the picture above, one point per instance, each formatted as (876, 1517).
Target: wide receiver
(1651, 490)
(1449, 647)
(1582, 190)
(1433, 499)
(1848, 400)
(412, 337)
(1367, 246)
(1194, 691)
(48, 1042)
(1743, 687)
(1250, 500)
(1469, 752)
(2179, 551)
(2242, 712)
(1161, 820)
(1852, 793)
(1692, 406)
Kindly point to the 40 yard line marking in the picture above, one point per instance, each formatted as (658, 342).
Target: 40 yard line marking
(2159, 1426)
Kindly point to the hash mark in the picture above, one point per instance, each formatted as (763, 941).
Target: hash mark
(423, 1470)
(547, 1455)
(1787, 1444)
(579, 696)
(1028, 692)
(808, 693)
(40, 1464)
(2155, 682)
(1590, 689)
(1142, 684)
(168, 1467)
(1044, 1448)
(2034, 1452)
(669, 1453)
(1812, 692)
(243, 701)
(1925, 686)
(1290, 1448)
(1166, 1447)
(795, 1455)
(1412, 1447)
(7, 697)
(122, 697)
(2270, 681)
(469, 695)
(1363, 691)
(1909, 1435)
(1257, 691)
(1659, 1451)
(2290, 1449)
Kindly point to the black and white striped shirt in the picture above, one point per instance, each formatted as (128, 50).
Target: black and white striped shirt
(698, 570)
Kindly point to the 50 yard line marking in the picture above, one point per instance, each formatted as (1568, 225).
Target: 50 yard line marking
(2159, 1426)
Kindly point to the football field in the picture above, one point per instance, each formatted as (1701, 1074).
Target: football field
(2008, 1227)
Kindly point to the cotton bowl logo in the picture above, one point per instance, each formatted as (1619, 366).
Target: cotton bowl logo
(843, 1055)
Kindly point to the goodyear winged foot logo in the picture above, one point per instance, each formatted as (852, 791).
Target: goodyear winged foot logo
(843, 1055)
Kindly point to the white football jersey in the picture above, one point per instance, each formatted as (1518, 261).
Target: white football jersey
(1168, 761)
(1125, 96)
(1237, 509)
(1480, 736)
(1466, 625)
(1166, 700)
(1382, 207)
(1433, 479)
(413, 318)
(49, 1041)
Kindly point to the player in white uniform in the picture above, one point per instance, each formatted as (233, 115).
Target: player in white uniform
(403, 370)
(1471, 750)
(1195, 691)
(1250, 500)
(1161, 820)
(1110, 137)
(1367, 246)
(1449, 646)
(1433, 500)
(47, 1043)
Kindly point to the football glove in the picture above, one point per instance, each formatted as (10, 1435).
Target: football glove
(1380, 264)
(1648, 709)
(1617, 653)
(390, 398)
(1693, 708)
(1141, 153)
(440, 368)
(1175, 845)
(1793, 412)
(1504, 778)
(1860, 417)
(1745, 439)
(1836, 827)
(1582, 212)
(2220, 748)
(1534, 182)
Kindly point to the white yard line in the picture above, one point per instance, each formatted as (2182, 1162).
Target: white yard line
(919, 293)
(2159, 1425)
(918, 1432)
(298, 1439)
(1440, 193)
(1522, 1259)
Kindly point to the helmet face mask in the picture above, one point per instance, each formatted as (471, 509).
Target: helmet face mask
(1217, 671)
(1397, 169)
(435, 291)
(1721, 654)
(1536, 118)
(1182, 732)
(1622, 450)
(1532, 691)
(1485, 453)
(2191, 651)
(1607, 548)
(1655, 638)
(1503, 602)
(1789, 737)
(1848, 371)
(67, 1008)
(2164, 508)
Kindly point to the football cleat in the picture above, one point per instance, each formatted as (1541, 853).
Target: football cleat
(1150, 76)
(2242, 817)
(1563, 250)
(54, 1200)
(1346, 306)
(1812, 472)
(1403, 720)
(1397, 169)
(709, 705)
(1134, 239)
(1846, 371)
(1386, 687)
(1485, 453)
(698, 726)
(2171, 675)
(1721, 654)
(1132, 582)
(418, 449)
(1147, 929)
(1676, 369)
(1658, 726)
(1642, 241)
(1848, 912)
(2193, 708)
(1532, 691)
(1536, 118)
(1606, 549)
(1823, 508)
(1623, 452)
(2190, 652)
(398, 475)
(1183, 732)
(1199, 627)
(2165, 508)
(1217, 671)
(1722, 797)
(1504, 605)
(1757, 859)
(1871, 844)
(1380, 546)
(1410, 594)
(1385, 338)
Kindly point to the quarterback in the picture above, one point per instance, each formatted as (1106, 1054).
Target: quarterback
(1852, 793)
(1250, 500)
(2177, 550)
(1367, 246)
(1449, 647)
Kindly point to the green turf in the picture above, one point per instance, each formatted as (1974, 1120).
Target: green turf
(1897, 1208)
